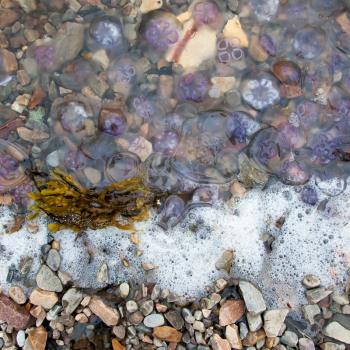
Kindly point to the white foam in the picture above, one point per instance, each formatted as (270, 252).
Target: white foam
(309, 242)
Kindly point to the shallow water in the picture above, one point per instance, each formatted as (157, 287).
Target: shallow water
(203, 101)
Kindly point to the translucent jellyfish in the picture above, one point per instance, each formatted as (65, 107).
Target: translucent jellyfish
(74, 160)
(161, 30)
(44, 56)
(308, 113)
(122, 71)
(106, 33)
(240, 127)
(122, 165)
(73, 116)
(75, 75)
(292, 172)
(309, 42)
(173, 211)
(260, 91)
(323, 148)
(287, 72)
(326, 6)
(206, 12)
(112, 121)
(264, 148)
(264, 10)
(193, 87)
(205, 154)
(12, 172)
(268, 44)
(228, 51)
(206, 194)
(160, 175)
(308, 195)
(317, 79)
(166, 142)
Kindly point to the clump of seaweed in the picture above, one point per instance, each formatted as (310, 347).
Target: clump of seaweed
(70, 205)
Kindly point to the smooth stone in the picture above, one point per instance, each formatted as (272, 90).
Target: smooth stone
(21, 338)
(253, 298)
(168, 334)
(47, 280)
(290, 339)
(124, 290)
(254, 322)
(310, 311)
(107, 314)
(219, 343)
(175, 319)
(306, 344)
(14, 315)
(332, 346)
(231, 311)
(53, 260)
(147, 307)
(316, 295)
(154, 320)
(71, 300)
(119, 331)
(225, 261)
(274, 320)
(232, 335)
(336, 331)
(311, 281)
(187, 315)
(131, 306)
(43, 298)
(102, 274)
(37, 339)
(17, 295)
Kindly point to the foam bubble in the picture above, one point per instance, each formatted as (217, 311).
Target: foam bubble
(311, 240)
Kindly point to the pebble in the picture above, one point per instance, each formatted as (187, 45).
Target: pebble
(154, 320)
(231, 311)
(107, 314)
(254, 322)
(147, 307)
(15, 315)
(124, 290)
(131, 306)
(119, 331)
(37, 338)
(336, 331)
(175, 319)
(311, 281)
(274, 320)
(21, 338)
(253, 298)
(168, 334)
(316, 295)
(225, 261)
(53, 260)
(306, 344)
(218, 343)
(290, 339)
(17, 295)
(232, 335)
(310, 311)
(47, 280)
(43, 298)
(71, 300)
(102, 274)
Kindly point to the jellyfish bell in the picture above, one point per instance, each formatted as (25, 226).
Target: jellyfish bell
(160, 30)
(12, 169)
(121, 166)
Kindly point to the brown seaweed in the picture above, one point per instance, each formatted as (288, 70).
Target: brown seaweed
(70, 205)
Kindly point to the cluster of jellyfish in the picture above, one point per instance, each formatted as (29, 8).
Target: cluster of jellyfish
(290, 114)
